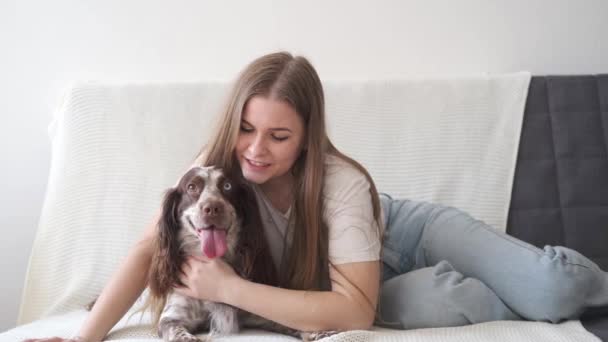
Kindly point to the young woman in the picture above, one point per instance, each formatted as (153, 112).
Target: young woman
(324, 221)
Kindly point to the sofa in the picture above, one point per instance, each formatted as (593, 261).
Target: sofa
(529, 155)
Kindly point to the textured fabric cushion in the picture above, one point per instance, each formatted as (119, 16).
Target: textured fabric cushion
(560, 190)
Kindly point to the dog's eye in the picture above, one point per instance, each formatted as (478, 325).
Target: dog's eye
(227, 186)
(192, 187)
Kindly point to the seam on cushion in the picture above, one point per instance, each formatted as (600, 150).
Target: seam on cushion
(599, 100)
(568, 207)
(582, 157)
(574, 111)
(559, 195)
(564, 158)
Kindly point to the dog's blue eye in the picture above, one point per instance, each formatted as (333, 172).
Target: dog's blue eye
(227, 186)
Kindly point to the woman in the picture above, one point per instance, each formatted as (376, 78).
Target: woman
(324, 221)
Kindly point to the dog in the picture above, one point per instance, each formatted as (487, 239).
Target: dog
(213, 214)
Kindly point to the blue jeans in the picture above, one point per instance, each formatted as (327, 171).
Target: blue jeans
(442, 267)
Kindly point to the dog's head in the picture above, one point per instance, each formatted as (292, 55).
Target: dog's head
(208, 208)
(213, 214)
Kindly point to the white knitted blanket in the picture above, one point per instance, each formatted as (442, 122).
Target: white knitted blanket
(117, 147)
(500, 331)
(448, 141)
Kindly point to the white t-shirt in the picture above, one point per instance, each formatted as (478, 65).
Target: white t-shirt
(347, 211)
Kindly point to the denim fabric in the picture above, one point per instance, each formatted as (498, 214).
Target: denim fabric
(442, 267)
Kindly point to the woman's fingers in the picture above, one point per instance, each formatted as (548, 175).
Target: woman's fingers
(181, 290)
(200, 258)
(190, 263)
(185, 268)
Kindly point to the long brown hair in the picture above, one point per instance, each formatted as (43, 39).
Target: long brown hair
(284, 77)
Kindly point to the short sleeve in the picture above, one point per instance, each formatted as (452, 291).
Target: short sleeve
(348, 212)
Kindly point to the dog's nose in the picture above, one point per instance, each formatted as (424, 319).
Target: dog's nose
(213, 208)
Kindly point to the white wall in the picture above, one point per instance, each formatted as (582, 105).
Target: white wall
(45, 44)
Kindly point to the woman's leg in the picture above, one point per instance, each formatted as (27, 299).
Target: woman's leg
(427, 296)
(438, 296)
(553, 284)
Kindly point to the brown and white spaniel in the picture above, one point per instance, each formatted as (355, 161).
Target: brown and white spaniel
(213, 214)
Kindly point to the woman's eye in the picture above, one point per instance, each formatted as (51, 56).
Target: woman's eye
(279, 138)
(227, 186)
(246, 129)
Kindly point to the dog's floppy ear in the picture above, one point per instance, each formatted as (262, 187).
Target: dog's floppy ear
(167, 258)
(255, 261)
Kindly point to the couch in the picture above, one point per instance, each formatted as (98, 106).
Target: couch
(527, 155)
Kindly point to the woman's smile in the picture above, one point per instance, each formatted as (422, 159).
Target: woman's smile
(256, 165)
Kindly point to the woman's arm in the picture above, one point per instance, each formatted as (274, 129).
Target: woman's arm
(351, 304)
(122, 290)
(343, 308)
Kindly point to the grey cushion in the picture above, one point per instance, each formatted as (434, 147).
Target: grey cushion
(560, 190)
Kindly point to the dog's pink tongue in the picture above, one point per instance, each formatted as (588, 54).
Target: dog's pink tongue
(213, 242)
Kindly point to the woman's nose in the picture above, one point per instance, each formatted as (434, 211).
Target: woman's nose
(257, 146)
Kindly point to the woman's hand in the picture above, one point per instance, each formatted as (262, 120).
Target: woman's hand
(205, 278)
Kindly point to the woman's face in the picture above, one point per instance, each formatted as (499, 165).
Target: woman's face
(270, 140)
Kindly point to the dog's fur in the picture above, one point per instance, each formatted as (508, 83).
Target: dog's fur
(205, 198)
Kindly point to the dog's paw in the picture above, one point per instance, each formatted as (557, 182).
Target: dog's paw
(316, 336)
(190, 338)
(184, 336)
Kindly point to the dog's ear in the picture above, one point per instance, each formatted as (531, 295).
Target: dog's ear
(255, 260)
(167, 257)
